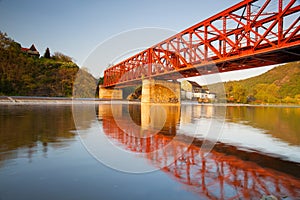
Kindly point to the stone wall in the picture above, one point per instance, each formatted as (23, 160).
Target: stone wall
(105, 93)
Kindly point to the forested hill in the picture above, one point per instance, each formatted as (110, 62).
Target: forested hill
(23, 73)
(279, 85)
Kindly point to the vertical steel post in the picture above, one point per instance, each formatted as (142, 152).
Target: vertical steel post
(280, 22)
(205, 42)
(248, 24)
(150, 61)
(224, 32)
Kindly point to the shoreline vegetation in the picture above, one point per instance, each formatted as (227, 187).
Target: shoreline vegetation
(280, 85)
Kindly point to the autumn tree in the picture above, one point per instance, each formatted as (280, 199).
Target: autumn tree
(23, 75)
(61, 57)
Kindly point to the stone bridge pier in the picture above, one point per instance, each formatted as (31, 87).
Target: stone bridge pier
(153, 91)
(110, 93)
(160, 91)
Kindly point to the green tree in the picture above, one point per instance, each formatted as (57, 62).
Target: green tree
(47, 53)
(101, 81)
(239, 93)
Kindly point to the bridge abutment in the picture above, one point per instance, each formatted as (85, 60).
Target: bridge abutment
(108, 93)
(160, 91)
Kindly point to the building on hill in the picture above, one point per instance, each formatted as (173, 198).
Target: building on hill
(32, 51)
(191, 90)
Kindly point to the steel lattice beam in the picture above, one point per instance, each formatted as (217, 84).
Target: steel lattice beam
(239, 37)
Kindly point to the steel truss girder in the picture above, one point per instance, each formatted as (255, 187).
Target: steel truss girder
(239, 31)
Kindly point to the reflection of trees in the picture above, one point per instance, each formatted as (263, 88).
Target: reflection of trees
(225, 173)
(282, 123)
(83, 115)
(23, 126)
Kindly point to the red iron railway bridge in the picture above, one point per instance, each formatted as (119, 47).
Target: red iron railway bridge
(252, 33)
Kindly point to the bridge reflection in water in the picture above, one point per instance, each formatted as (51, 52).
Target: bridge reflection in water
(225, 173)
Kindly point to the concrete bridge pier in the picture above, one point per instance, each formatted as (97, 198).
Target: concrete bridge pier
(160, 91)
(110, 93)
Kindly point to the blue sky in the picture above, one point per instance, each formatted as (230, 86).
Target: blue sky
(77, 27)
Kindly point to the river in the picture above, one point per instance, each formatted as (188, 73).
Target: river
(119, 150)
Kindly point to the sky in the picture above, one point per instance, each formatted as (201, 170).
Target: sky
(106, 30)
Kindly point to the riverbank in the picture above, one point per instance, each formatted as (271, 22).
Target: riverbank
(242, 104)
(26, 100)
(19, 100)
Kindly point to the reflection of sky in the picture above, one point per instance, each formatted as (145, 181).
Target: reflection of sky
(256, 139)
(243, 136)
(112, 154)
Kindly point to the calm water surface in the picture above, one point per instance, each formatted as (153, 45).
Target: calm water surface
(45, 155)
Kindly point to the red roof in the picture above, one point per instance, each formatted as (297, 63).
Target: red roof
(24, 49)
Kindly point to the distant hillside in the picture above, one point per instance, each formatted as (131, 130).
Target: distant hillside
(279, 85)
(24, 73)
